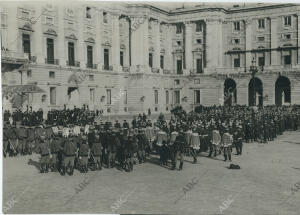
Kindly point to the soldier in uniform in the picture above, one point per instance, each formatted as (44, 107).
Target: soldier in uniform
(96, 153)
(125, 124)
(83, 154)
(112, 149)
(22, 138)
(179, 150)
(142, 142)
(44, 150)
(12, 137)
(5, 139)
(238, 140)
(30, 142)
(129, 148)
(55, 146)
(227, 143)
(69, 153)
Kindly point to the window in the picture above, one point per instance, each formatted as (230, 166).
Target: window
(92, 95)
(90, 56)
(161, 61)
(50, 51)
(105, 17)
(287, 58)
(199, 65)
(71, 54)
(108, 96)
(236, 62)
(150, 60)
(25, 14)
(88, 13)
(236, 26)
(178, 28)
(236, 41)
(177, 82)
(197, 97)
(261, 61)
(287, 36)
(198, 27)
(121, 58)
(178, 43)
(199, 41)
(177, 97)
(167, 97)
(49, 20)
(106, 59)
(52, 96)
(287, 20)
(26, 43)
(261, 23)
(179, 67)
(125, 97)
(52, 74)
(261, 39)
(91, 77)
(29, 74)
(156, 97)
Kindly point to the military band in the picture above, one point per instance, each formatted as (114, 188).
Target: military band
(91, 145)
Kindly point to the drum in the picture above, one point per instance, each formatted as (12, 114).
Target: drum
(149, 132)
(187, 137)
(174, 134)
(66, 132)
(76, 130)
(161, 136)
(86, 129)
(216, 137)
(195, 141)
(55, 129)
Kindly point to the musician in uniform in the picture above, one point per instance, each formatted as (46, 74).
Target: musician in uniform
(142, 142)
(96, 153)
(30, 142)
(44, 150)
(5, 139)
(238, 140)
(179, 150)
(22, 138)
(216, 140)
(83, 152)
(129, 148)
(55, 147)
(69, 153)
(227, 143)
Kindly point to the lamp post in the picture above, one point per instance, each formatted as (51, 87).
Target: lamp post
(253, 70)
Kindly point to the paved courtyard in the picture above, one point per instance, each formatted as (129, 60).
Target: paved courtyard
(262, 186)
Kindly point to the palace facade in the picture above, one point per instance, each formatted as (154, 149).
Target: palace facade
(125, 58)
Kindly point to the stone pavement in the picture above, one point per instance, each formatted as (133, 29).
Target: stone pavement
(261, 187)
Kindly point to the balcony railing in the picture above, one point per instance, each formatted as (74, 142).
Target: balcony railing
(11, 54)
(52, 61)
(126, 69)
(75, 63)
(166, 71)
(154, 70)
(106, 67)
(91, 66)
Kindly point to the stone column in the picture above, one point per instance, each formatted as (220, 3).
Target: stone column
(188, 47)
(116, 43)
(61, 37)
(214, 35)
(38, 38)
(139, 44)
(99, 36)
(248, 26)
(298, 38)
(12, 25)
(274, 42)
(81, 44)
(168, 54)
(156, 34)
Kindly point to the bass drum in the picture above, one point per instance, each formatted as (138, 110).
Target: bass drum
(195, 141)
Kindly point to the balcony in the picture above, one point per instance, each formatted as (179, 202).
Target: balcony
(154, 70)
(75, 64)
(11, 60)
(126, 69)
(107, 67)
(196, 71)
(166, 71)
(91, 66)
(52, 61)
